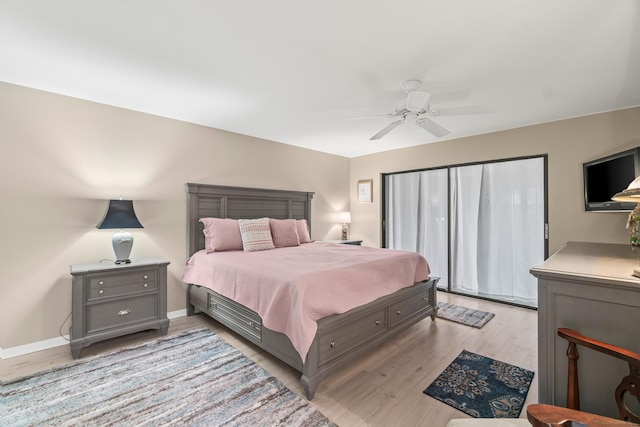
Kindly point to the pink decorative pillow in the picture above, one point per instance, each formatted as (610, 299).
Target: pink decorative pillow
(221, 234)
(256, 234)
(284, 232)
(303, 231)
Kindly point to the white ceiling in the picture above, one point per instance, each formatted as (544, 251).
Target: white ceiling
(288, 70)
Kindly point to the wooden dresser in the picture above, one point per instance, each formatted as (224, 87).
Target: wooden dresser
(588, 287)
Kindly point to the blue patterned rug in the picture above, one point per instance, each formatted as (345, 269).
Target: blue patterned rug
(482, 387)
(189, 379)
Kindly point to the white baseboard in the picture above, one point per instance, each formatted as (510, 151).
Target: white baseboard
(21, 350)
(177, 313)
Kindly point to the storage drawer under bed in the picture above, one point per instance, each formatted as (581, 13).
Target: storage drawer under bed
(339, 339)
(236, 316)
(409, 307)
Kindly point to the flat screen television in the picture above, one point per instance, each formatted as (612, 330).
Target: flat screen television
(607, 176)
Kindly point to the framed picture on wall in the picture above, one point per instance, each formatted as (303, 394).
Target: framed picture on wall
(365, 191)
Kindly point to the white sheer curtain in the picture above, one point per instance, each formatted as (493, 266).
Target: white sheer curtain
(496, 230)
(417, 217)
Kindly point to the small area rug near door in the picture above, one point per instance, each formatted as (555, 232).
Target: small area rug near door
(464, 315)
(482, 387)
(192, 378)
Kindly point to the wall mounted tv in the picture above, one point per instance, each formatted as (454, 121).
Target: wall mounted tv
(607, 176)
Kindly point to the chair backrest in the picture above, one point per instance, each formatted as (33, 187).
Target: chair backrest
(630, 384)
(540, 415)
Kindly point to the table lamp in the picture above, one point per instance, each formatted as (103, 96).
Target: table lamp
(632, 194)
(120, 214)
(344, 218)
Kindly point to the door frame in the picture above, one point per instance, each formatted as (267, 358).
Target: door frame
(383, 207)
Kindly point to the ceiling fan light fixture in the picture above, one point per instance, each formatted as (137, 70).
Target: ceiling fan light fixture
(417, 101)
(414, 109)
(411, 85)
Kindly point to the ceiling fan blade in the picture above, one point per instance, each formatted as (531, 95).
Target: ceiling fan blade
(391, 126)
(417, 101)
(432, 127)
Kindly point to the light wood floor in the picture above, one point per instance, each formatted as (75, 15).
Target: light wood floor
(383, 389)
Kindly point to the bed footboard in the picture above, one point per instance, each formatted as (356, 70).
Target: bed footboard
(340, 339)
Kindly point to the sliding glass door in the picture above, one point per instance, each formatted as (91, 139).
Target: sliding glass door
(416, 218)
(480, 226)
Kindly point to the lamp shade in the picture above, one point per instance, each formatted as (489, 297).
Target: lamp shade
(344, 217)
(631, 194)
(120, 214)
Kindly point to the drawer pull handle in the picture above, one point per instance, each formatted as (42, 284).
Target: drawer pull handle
(378, 322)
(398, 312)
(214, 305)
(332, 343)
(124, 312)
(145, 277)
(425, 298)
(145, 285)
(101, 282)
(252, 323)
(101, 291)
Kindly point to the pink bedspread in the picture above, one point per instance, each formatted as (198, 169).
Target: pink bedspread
(291, 288)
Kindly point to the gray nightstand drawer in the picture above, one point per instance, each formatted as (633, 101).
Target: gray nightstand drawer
(110, 285)
(119, 313)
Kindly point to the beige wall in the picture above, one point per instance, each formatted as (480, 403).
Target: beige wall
(63, 158)
(568, 143)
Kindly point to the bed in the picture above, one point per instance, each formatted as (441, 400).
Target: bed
(337, 339)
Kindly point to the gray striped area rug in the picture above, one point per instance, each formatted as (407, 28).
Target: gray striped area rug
(464, 315)
(193, 378)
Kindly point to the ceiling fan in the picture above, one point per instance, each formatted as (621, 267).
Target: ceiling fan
(417, 107)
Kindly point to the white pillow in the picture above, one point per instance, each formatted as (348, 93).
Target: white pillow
(256, 234)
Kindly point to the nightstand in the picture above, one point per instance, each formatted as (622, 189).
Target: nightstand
(109, 300)
(345, 242)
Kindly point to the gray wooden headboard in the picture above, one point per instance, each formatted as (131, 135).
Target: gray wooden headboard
(215, 201)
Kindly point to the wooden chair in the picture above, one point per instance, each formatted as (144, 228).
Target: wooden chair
(548, 415)
(541, 415)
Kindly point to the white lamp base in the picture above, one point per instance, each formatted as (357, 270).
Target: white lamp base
(122, 243)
